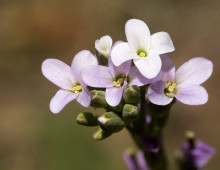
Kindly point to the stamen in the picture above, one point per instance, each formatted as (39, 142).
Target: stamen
(170, 88)
(77, 88)
(120, 81)
(142, 54)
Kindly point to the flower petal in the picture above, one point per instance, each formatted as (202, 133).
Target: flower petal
(122, 69)
(194, 71)
(138, 35)
(136, 78)
(121, 53)
(161, 43)
(156, 94)
(113, 95)
(58, 73)
(191, 94)
(149, 66)
(61, 99)
(168, 68)
(103, 45)
(81, 60)
(84, 97)
(97, 76)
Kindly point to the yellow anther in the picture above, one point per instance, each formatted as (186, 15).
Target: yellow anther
(120, 81)
(77, 88)
(170, 88)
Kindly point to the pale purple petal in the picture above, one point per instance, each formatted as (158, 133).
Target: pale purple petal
(149, 66)
(138, 35)
(168, 68)
(122, 69)
(97, 76)
(121, 53)
(194, 71)
(156, 94)
(161, 43)
(141, 161)
(114, 95)
(58, 73)
(82, 60)
(191, 94)
(130, 162)
(84, 97)
(136, 78)
(198, 156)
(60, 100)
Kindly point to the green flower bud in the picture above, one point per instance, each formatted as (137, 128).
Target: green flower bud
(98, 99)
(131, 94)
(111, 122)
(101, 134)
(130, 112)
(87, 119)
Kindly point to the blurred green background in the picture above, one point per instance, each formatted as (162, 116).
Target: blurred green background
(32, 138)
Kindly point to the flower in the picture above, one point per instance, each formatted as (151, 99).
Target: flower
(184, 85)
(135, 162)
(114, 79)
(69, 79)
(104, 45)
(143, 48)
(199, 155)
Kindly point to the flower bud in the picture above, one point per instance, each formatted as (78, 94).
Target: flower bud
(98, 99)
(87, 119)
(101, 134)
(111, 122)
(131, 94)
(130, 112)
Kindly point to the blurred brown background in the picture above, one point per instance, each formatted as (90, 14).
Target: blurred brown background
(32, 138)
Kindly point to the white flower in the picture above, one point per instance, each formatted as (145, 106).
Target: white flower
(104, 45)
(143, 48)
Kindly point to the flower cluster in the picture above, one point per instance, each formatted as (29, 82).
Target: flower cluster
(125, 78)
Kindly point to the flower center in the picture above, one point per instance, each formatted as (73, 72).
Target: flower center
(142, 53)
(119, 81)
(170, 88)
(77, 88)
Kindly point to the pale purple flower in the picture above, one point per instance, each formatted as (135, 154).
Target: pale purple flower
(136, 162)
(199, 155)
(114, 79)
(69, 79)
(143, 48)
(184, 85)
(104, 45)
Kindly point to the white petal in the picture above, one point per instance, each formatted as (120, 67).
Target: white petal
(58, 73)
(191, 94)
(121, 53)
(156, 94)
(149, 66)
(194, 71)
(138, 35)
(82, 60)
(60, 100)
(136, 78)
(161, 43)
(103, 45)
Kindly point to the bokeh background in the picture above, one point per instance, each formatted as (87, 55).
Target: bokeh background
(32, 138)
